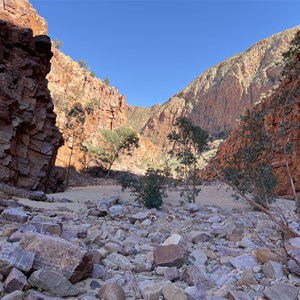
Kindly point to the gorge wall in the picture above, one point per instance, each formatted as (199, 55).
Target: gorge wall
(217, 98)
(282, 111)
(29, 138)
(104, 107)
(21, 13)
(68, 84)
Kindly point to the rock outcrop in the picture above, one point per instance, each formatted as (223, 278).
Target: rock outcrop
(220, 95)
(68, 84)
(29, 138)
(281, 122)
(104, 107)
(21, 13)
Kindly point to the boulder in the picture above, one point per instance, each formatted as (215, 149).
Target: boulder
(281, 291)
(15, 281)
(54, 253)
(169, 256)
(111, 291)
(53, 282)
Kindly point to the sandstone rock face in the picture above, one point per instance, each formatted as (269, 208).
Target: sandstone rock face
(68, 84)
(29, 138)
(21, 13)
(220, 95)
(104, 107)
(281, 107)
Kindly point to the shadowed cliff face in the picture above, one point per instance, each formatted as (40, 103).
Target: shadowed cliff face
(216, 99)
(29, 138)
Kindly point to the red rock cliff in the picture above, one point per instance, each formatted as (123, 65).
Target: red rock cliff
(281, 107)
(21, 13)
(220, 95)
(29, 138)
(69, 83)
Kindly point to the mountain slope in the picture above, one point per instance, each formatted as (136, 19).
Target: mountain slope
(216, 98)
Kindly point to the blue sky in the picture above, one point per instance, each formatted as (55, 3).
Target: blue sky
(151, 49)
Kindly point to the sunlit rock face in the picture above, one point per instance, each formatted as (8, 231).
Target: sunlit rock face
(282, 110)
(217, 98)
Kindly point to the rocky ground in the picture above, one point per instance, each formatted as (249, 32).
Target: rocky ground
(109, 247)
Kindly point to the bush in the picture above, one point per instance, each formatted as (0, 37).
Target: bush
(148, 188)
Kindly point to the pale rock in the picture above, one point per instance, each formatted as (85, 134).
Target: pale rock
(230, 227)
(99, 271)
(245, 261)
(112, 247)
(192, 207)
(295, 242)
(171, 273)
(16, 280)
(281, 291)
(117, 261)
(197, 257)
(194, 293)
(111, 292)
(116, 211)
(36, 295)
(173, 292)
(195, 276)
(174, 239)
(273, 270)
(139, 217)
(53, 282)
(238, 295)
(151, 289)
(15, 257)
(16, 295)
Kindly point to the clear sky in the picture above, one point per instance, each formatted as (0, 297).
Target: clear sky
(151, 49)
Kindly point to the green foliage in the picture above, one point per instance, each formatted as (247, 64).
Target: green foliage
(57, 43)
(148, 188)
(107, 81)
(92, 74)
(91, 105)
(117, 142)
(289, 55)
(250, 170)
(189, 141)
(83, 64)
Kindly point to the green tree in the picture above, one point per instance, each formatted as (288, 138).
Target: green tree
(189, 141)
(83, 64)
(114, 143)
(250, 169)
(57, 43)
(107, 81)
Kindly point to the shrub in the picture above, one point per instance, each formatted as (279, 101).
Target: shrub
(148, 188)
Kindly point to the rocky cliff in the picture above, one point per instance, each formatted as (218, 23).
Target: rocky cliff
(215, 99)
(104, 106)
(29, 138)
(281, 121)
(68, 84)
(21, 13)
